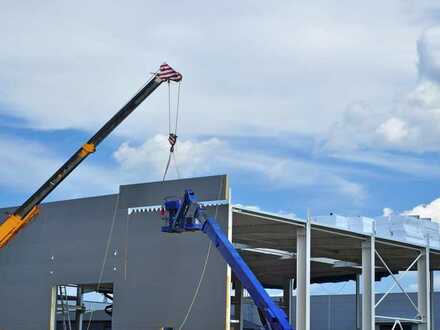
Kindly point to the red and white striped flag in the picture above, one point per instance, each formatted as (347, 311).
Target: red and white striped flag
(167, 73)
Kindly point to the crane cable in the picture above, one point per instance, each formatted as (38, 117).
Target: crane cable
(172, 132)
(199, 284)
(202, 274)
(106, 253)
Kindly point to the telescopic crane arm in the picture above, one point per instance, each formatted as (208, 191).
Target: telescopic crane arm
(186, 214)
(30, 208)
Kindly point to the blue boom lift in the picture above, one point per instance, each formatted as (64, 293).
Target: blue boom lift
(186, 214)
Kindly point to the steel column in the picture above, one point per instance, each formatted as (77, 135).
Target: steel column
(291, 301)
(238, 306)
(228, 268)
(368, 278)
(423, 292)
(288, 299)
(53, 309)
(432, 295)
(303, 278)
(358, 302)
(79, 310)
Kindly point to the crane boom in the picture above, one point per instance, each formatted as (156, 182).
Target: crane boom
(30, 208)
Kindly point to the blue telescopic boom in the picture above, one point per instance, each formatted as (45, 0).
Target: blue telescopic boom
(188, 215)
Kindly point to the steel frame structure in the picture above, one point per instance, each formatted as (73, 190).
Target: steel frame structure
(365, 300)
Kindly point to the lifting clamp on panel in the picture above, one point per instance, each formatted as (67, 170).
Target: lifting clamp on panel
(14, 223)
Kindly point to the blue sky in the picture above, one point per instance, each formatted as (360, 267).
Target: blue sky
(331, 107)
(306, 106)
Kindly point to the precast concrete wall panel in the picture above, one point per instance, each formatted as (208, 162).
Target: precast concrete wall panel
(154, 275)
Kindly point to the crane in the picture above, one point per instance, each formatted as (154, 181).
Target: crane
(31, 207)
(187, 215)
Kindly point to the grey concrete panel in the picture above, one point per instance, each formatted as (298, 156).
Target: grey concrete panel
(162, 272)
(209, 188)
(65, 244)
(154, 274)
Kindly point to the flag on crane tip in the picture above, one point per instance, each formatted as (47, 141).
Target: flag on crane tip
(167, 73)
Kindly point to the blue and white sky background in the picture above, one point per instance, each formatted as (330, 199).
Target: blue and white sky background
(326, 106)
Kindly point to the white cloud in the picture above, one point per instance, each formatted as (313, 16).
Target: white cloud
(415, 166)
(202, 157)
(428, 48)
(263, 68)
(425, 96)
(387, 212)
(411, 123)
(394, 130)
(146, 162)
(26, 170)
(430, 210)
(256, 208)
(64, 68)
(285, 214)
(192, 157)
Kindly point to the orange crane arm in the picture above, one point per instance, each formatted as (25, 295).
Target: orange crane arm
(30, 208)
